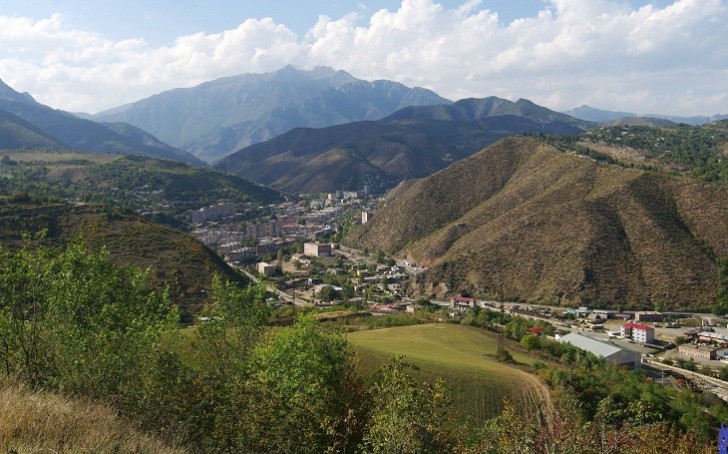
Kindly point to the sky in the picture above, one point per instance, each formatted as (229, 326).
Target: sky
(642, 56)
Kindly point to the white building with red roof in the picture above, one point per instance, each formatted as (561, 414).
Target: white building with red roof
(462, 303)
(638, 332)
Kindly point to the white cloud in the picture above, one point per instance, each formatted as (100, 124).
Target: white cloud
(600, 52)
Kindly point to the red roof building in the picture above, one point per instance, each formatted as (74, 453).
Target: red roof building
(463, 299)
(462, 302)
(638, 332)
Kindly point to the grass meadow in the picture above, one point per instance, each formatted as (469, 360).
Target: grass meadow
(463, 357)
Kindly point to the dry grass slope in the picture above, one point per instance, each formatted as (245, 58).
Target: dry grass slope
(36, 421)
(522, 220)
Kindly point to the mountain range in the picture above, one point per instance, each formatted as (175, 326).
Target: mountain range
(217, 118)
(523, 220)
(413, 142)
(601, 216)
(30, 124)
(588, 113)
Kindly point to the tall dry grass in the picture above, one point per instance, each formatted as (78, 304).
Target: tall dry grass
(43, 422)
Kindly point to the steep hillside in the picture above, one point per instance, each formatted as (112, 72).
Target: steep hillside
(8, 94)
(411, 143)
(84, 135)
(338, 157)
(41, 421)
(219, 117)
(17, 133)
(173, 259)
(522, 220)
(139, 142)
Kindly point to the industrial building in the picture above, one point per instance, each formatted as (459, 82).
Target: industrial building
(610, 352)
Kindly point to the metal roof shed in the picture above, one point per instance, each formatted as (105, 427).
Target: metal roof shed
(610, 352)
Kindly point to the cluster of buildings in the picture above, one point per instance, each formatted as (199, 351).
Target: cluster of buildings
(212, 213)
(267, 229)
(240, 237)
(703, 344)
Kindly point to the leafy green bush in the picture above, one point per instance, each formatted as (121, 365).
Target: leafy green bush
(72, 321)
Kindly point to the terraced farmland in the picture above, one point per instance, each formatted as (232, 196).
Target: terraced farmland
(462, 356)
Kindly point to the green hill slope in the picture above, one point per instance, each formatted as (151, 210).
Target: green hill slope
(173, 259)
(522, 220)
(17, 133)
(164, 190)
(459, 354)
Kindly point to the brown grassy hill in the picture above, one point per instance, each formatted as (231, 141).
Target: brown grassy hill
(321, 160)
(174, 259)
(37, 421)
(522, 220)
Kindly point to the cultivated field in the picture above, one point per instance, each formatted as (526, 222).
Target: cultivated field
(462, 356)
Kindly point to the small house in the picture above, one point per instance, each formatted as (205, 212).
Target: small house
(265, 269)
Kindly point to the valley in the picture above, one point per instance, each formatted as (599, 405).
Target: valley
(320, 263)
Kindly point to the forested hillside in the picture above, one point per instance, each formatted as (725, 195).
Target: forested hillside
(163, 190)
(698, 151)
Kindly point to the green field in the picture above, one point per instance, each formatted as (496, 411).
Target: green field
(463, 356)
